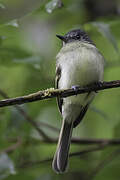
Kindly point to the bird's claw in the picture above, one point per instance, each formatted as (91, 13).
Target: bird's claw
(75, 88)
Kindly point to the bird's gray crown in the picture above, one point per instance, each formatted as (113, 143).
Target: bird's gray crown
(74, 35)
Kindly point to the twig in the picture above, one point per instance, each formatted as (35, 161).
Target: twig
(34, 124)
(90, 141)
(13, 147)
(50, 93)
(51, 127)
(74, 140)
(28, 118)
(96, 141)
(92, 149)
(103, 163)
(33, 163)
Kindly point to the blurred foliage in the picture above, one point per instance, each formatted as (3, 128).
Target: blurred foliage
(28, 47)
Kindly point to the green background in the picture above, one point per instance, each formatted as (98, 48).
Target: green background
(28, 47)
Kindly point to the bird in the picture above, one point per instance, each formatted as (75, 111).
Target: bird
(78, 64)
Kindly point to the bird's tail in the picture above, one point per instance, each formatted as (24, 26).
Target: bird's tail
(60, 160)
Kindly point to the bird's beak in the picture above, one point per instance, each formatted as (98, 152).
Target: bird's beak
(61, 37)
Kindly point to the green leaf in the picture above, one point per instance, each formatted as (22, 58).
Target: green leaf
(33, 60)
(8, 55)
(106, 32)
(2, 6)
(13, 23)
(52, 5)
(6, 166)
(14, 9)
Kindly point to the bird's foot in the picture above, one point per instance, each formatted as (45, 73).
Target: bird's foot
(75, 88)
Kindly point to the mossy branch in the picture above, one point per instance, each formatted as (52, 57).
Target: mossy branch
(51, 93)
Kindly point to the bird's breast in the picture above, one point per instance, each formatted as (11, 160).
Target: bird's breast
(81, 66)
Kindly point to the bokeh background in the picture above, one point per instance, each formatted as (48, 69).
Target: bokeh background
(28, 47)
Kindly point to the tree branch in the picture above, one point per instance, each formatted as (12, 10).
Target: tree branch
(90, 141)
(80, 141)
(50, 93)
(104, 162)
(13, 147)
(28, 118)
(29, 164)
(74, 140)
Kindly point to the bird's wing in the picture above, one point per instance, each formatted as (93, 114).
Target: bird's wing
(81, 115)
(58, 75)
(82, 111)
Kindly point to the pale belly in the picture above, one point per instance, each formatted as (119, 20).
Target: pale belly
(80, 71)
(81, 68)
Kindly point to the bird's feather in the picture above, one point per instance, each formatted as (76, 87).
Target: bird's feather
(60, 160)
(58, 75)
